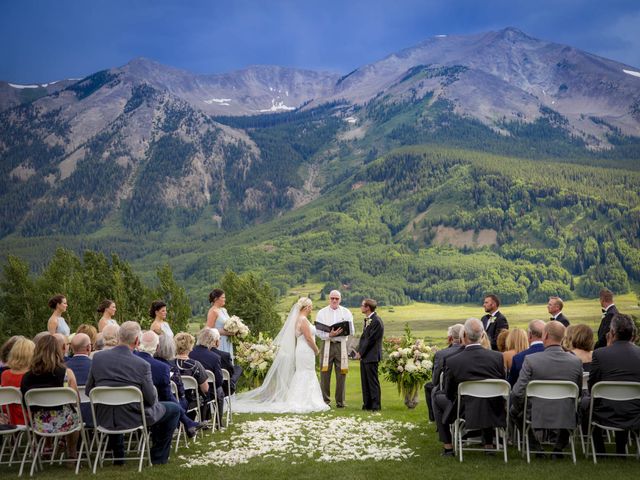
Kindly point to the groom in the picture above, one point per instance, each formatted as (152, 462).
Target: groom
(334, 350)
(370, 354)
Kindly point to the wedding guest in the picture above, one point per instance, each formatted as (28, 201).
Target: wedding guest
(554, 307)
(216, 318)
(535, 332)
(551, 364)
(472, 363)
(517, 342)
(210, 360)
(110, 336)
(57, 323)
(190, 367)
(18, 363)
(620, 361)
(433, 388)
(90, 331)
(165, 353)
(579, 340)
(484, 341)
(494, 321)
(108, 310)
(334, 349)
(5, 350)
(370, 355)
(80, 363)
(47, 369)
(501, 342)
(609, 310)
(158, 311)
(120, 367)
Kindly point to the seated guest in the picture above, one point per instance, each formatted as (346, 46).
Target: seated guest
(165, 353)
(91, 332)
(535, 331)
(207, 338)
(485, 342)
(434, 388)
(579, 341)
(120, 367)
(4, 351)
(192, 368)
(80, 363)
(501, 341)
(63, 340)
(18, 363)
(551, 364)
(620, 362)
(227, 363)
(473, 363)
(47, 369)
(517, 342)
(109, 337)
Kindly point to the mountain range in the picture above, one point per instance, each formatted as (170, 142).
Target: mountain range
(144, 149)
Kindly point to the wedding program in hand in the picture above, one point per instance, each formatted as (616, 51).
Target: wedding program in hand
(291, 384)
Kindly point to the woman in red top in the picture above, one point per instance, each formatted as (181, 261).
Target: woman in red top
(19, 361)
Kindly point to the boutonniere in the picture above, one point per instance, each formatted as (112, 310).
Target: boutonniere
(492, 319)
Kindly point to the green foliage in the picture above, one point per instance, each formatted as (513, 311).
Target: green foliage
(253, 300)
(174, 295)
(22, 309)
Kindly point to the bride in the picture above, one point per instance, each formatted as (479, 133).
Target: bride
(291, 384)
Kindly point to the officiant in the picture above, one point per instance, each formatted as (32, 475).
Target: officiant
(334, 325)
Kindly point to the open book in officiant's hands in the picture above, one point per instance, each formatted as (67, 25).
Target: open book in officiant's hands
(336, 326)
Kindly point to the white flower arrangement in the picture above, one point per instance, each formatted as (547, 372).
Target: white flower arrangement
(255, 358)
(322, 438)
(236, 326)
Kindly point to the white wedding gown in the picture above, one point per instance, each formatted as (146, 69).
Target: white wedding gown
(292, 387)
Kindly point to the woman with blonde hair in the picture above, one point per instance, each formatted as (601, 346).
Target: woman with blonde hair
(517, 341)
(18, 362)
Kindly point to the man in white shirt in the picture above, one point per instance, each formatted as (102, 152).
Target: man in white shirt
(334, 349)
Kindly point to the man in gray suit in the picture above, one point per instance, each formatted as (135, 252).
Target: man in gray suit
(551, 364)
(119, 367)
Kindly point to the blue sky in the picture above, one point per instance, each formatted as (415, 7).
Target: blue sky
(49, 40)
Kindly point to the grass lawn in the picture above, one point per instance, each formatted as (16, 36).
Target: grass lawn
(426, 463)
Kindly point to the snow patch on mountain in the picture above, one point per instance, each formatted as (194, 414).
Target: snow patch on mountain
(631, 72)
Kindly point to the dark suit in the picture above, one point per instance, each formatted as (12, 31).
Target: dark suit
(119, 367)
(226, 362)
(370, 349)
(493, 328)
(432, 389)
(562, 319)
(605, 325)
(473, 363)
(211, 361)
(80, 366)
(551, 364)
(619, 362)
(518, 361)
(161, 377)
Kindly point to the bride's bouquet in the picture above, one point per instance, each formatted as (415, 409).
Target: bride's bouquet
(256, 358)
(409, 365)
(236, 326)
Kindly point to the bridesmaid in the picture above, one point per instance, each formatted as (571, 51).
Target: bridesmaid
(56, 323)
(158, 312)
(108, 309)
(216, 318)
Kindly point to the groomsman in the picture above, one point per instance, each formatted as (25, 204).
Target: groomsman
(494, 321)
(370, 354)
(554, 307)
(608, 311)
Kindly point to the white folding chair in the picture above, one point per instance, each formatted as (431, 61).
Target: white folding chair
(191, 385)
(181, 430)
(213, 400)
(51, 398)
(489, 388)
(226, 377)
(550, 390)
(12, 437)
(614, 391)
(115, 397)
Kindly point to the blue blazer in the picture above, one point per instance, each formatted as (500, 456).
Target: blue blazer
(518, 361)
(80, 366)
(161, 376)
(209, 360)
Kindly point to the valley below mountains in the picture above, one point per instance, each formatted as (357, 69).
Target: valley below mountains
(462, 165)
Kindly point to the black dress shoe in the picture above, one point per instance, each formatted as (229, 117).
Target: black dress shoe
(447, 452)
